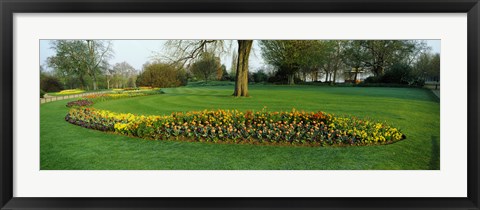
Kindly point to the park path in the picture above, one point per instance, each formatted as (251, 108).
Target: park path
(48, 98)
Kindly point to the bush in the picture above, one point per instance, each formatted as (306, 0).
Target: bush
(397, 73)
(50, 84)
(161, 75)
(42, 93)
(418, 82)
(372, 79)
(259, 77)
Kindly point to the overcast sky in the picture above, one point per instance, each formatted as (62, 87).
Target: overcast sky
(138, 52)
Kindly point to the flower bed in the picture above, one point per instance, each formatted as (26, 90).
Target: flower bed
(79, 103)
(69, 92)
(125, 94)
(234, 126)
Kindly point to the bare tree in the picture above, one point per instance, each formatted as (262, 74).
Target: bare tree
(124, 75)
(98, 52)
(184, 52)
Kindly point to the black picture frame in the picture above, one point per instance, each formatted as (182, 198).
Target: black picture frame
(9, 7)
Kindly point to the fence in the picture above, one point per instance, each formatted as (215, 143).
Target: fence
(57, 98)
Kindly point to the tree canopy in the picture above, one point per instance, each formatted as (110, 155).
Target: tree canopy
(206, 67)
(79, 59)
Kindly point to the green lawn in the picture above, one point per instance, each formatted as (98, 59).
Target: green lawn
(415, 111)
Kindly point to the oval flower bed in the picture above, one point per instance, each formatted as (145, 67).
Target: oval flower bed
(232, 126)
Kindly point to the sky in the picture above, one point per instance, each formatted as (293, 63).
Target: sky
(138, 52)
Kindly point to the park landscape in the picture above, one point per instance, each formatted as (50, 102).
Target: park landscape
(241, 105)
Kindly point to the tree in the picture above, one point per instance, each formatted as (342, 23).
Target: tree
(259, 76)
(428, 65)
(185, 51)
(67, 62)
(123, 75)
(435, 66)
(291, 56)
(98, 52)
(384, 53)
(222, 73)
(334, 52)
(50, 83)
(355, 56)
(206, 67)
(398, 73)
(314, 57)
(241, 78)
(79, 59)
(108, 75)
(233, 67)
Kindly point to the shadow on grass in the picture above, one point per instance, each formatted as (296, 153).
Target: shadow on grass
(433, 96)
(435, 159)
(414, 94)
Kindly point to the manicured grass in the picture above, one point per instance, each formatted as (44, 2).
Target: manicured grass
(415, 111)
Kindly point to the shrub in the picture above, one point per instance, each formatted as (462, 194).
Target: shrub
(397, 73)
(320, 129)
(260, 76)
(42, 93)
(50, 84)
(372, 79)
(418, 82)
(161, 75)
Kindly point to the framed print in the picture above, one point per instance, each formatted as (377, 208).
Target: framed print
(239, 105)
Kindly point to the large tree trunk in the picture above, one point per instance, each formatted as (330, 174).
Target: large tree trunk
(82, 82)
(356, 75)
(334, 77)
(291, 79)
(95, 82)
(241, 78)
(378, 70)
